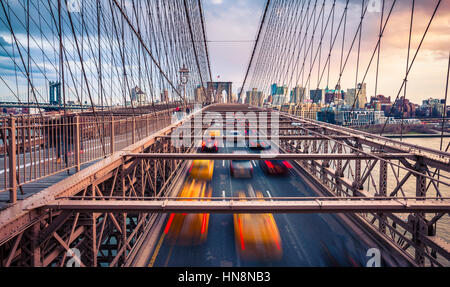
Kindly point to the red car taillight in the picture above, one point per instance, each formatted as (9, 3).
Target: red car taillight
(269, 164)
(288, 165)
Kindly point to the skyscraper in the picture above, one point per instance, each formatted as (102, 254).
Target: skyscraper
(279, 95)
(316, 96)
(360, 92)
(165, 96)
(362, 96)
(200, 94)
(297, 95)
(138, 97)
(254, 97)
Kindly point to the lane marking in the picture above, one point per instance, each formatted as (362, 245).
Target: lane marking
(268, 193)
(169, 256)
(158, 247)
(251, 191)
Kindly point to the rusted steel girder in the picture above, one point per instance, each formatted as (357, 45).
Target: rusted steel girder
(23, 214)
(263, 156)
(280, 137)
(239, 206)
(122, 174)
(440, 159)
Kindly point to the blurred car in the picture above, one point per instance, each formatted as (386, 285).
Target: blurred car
(214, 133)
(256, 235)
(202, 169)
(210, 144)
(241, 168)
(275, 167)
(258, 144)
(189, 229)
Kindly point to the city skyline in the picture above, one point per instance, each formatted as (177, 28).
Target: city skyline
(344, 90)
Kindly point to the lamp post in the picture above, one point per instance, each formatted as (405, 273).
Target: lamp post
(184, 77)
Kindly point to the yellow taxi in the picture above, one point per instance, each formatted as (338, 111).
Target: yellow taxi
(257, 236)
(189, 229)
(202, 169)
(214, 133)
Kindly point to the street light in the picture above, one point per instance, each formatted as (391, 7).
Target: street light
(184, 77)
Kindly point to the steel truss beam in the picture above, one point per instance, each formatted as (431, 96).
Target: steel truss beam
(416, 236)
(280, 137)
(432, 157)
(34, 236)
(263, 156)
(274, 205)
(32, 233)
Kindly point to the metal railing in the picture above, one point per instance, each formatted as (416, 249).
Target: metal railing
(251, 204)
(423, 172)
(35, 147)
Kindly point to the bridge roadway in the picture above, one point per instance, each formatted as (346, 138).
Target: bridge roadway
(307, 239)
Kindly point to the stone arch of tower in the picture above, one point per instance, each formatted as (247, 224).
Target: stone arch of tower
(215, 89)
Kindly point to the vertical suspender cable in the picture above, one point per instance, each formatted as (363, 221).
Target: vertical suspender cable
(254, 49)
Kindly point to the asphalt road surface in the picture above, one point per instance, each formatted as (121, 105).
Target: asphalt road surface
(307, 239)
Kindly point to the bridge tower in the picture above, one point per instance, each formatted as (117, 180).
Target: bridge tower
(55, 87)
(215, 89)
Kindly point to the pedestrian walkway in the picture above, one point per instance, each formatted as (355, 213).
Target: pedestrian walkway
(34, 187)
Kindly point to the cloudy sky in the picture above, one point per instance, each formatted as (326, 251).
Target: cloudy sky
(228, 22)
(234, 20)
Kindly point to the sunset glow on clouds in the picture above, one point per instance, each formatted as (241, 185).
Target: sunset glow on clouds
(239, 20)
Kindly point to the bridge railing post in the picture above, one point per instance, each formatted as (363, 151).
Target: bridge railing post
(357, 175)
(133, 128)
(382, 192)
(77, 142)
(112, 137)
(418, 220)
(12, 161)
(147, 116)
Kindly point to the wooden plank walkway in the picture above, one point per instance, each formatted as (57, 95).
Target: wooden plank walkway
(38, 185)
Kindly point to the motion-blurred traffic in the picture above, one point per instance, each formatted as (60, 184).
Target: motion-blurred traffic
(257, 236)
